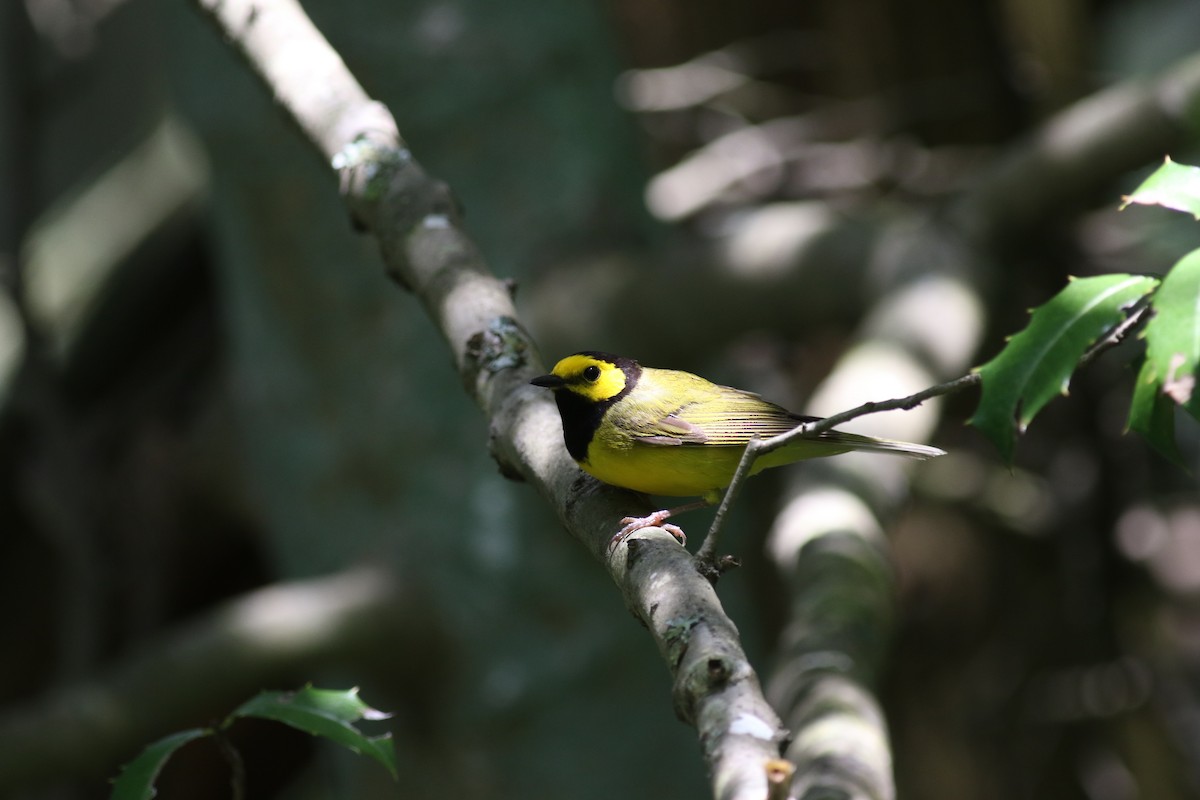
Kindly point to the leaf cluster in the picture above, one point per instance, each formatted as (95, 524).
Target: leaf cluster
(1090, 314)
(327, 713)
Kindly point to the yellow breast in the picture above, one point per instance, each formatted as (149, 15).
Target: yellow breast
(682, 470)
(663, 470)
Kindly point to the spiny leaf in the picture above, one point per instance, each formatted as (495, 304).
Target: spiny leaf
(1169, 373)
(1152, 414)
(327, 713)
(1037, 363)
(136, 781)
(1174, 186)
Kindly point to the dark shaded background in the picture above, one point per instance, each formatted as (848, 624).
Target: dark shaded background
(218, 389)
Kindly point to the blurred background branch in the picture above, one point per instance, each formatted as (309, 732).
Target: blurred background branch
(269, 635)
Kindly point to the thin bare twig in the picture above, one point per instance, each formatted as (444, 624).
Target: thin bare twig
(237, 766)
(1117, 335)
(809, 430)
(760, 447)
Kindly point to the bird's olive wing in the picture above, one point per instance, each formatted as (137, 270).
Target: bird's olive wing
(728, 417)
(674, 430)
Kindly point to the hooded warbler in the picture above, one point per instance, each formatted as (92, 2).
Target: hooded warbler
(667, 432)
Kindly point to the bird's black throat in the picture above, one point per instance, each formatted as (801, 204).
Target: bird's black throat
(580, 419)
(581, 416)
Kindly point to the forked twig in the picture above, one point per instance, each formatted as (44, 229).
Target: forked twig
(760, 447)
(809, 430)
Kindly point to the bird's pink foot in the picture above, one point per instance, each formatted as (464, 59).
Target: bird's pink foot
(654, 520)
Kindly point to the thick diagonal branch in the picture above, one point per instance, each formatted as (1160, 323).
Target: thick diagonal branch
(417, 224)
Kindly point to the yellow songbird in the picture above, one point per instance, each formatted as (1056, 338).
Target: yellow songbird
(667, 432)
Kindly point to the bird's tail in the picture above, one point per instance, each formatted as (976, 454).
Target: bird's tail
(872, 444)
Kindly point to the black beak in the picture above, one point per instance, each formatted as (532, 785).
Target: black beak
(549, 382)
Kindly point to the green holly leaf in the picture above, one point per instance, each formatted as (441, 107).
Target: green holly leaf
(1168, 375)
(326, 713)
(1174, 186)
(136, 781)
(1152, 414)
(1036, 365)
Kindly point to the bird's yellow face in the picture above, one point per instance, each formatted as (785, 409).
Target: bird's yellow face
(589, 376)
(585, 386)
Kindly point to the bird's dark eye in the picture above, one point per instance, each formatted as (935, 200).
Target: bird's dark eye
(591, 373)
